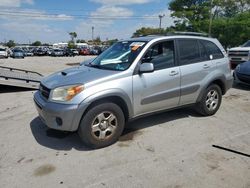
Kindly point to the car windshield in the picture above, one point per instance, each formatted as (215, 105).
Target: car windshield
(119, 56)
(18, 50)
(2, 49)
(247, 44)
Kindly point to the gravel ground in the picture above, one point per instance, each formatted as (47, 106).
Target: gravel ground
(171, 149)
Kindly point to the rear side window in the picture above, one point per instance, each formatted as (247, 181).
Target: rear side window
(212, 49)
(189, 51)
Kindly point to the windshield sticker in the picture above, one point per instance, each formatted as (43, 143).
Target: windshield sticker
(139, 44)
(136, 45)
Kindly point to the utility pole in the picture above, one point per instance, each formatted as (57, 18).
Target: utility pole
(93, 28)
(211, 19)
(160, 17)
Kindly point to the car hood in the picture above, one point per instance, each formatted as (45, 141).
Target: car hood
(244, 68)
(77, 75)
(240, 49)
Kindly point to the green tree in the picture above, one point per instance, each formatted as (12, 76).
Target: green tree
(73, 35)
(190, 14)
(10, 43)
(80, 41)
(148, 31)
(97, 40)
(111, 41)
(229, 19)
(232, 31)
(36, 43)
(71, 44)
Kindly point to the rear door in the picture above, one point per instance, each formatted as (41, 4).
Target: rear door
(161, 88)
(195, 66)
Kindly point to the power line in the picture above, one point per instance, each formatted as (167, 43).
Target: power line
(70, 16)
(62, 16)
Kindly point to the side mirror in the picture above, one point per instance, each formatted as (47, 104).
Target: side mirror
(146, 68)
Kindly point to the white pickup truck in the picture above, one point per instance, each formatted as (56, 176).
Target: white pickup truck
(239, 54)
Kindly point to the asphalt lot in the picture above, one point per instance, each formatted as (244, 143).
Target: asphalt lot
(171, 149)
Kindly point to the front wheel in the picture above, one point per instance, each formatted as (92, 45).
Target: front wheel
(210, 101)
(102, 125)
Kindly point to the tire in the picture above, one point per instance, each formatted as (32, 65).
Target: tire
(210, 102)
(102, 125)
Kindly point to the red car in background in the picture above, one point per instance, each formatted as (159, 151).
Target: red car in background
(84, 51)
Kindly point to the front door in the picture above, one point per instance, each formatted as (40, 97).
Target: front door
(160, 89)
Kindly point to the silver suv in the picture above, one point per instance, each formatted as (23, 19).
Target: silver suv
(132, 78)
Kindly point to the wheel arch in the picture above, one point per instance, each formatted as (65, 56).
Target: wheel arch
(220, 81)
(116, 96)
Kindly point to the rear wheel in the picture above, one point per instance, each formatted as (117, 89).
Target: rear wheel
(210, 101)
(102, 125)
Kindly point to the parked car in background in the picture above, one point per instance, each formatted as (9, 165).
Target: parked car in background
(57, 52)
(70, 52)
(239, 54)
(84, 51)
(40, 52)
(17, 53)
(49, 52)
(242, 73)
(3, 53)
(75, 52)
(93, 51)
(132, 78)
(29, 53)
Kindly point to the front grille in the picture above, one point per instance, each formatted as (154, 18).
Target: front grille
(238, 53)
(44, 91)
(244, 78)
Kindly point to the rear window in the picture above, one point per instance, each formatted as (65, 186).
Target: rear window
(212, 49)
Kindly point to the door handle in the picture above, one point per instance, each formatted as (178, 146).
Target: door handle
(173, 73)
(206, 66)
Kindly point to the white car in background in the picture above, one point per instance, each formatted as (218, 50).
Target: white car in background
(3, 53)
(239, 54)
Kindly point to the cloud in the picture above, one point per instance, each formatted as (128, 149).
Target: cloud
(121, 2)
(118, 27)
(31, 31)
(14, 3)
(102, 20)
(112, 11)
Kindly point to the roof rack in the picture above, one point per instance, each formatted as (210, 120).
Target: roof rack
(191, 33)
(177, 33)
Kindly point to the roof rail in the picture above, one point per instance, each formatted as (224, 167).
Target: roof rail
(177, 33)
(191, 34)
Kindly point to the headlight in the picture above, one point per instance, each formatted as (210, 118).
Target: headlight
(66, 93)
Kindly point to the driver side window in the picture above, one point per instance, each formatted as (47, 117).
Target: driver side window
(161, 55)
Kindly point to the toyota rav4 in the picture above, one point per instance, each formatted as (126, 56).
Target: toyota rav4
(132, 78)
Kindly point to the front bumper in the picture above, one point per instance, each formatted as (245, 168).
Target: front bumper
(65, 117)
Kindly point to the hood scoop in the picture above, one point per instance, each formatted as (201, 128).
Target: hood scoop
(64, 73)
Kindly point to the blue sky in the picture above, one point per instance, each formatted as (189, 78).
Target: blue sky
(50, 21)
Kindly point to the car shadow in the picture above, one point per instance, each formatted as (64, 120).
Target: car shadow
(13, 89)
(54, 139)
(60, 140)
(160, 118)
(241, 87)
